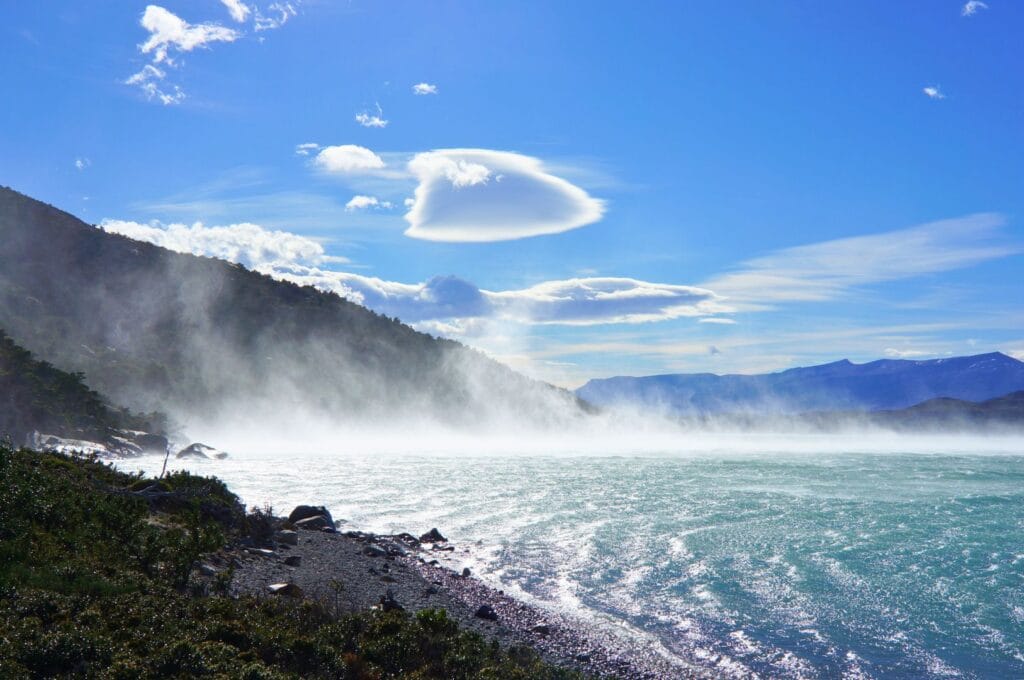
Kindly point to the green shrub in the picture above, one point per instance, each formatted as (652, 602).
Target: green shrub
(89, 587)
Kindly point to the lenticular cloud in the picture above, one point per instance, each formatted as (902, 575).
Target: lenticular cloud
(475, 195)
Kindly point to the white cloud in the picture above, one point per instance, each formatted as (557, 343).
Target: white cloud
(239, 10)
(450, 302)
(247, 244)
(905, 353)
(474, 195)
(589, 301)
(362, 202)
(169, 32)
(424, 88)
(723, 320)
(306, 149)
(933, 92)
(972, 7)
(280, 12)
(347, 159)
(367, 120)
(82, 163)
(830, 269)
(443, 301)
(149, 80)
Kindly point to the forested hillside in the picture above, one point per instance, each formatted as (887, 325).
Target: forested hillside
(34, 395)
(200, 337)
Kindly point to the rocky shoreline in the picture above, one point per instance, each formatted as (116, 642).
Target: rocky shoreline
(306, 556)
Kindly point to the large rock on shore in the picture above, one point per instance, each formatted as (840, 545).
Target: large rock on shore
(200, 451)
(433, 536)
(302, 512)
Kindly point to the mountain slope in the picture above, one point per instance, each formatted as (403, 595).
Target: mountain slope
(838, 386)
(35, 395)
(201, 338)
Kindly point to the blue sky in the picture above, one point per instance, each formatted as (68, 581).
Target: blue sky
(579, 189)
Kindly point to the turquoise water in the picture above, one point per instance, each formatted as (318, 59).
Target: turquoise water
(856, 565)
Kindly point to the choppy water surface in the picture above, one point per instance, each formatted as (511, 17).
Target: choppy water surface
(861, 565)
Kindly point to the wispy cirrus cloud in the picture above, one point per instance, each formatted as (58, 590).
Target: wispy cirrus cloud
(830, 269)
(971, 8)
(933, 92)
(238, 10)
(170, 36)
(278, 14)
(369, 120)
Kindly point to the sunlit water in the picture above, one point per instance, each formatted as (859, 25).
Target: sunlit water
(792, 565)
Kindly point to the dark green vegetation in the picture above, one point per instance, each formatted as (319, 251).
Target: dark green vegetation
(95, 583)
(195, 336)
(35, 395)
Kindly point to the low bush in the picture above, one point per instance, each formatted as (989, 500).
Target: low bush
(93, 574)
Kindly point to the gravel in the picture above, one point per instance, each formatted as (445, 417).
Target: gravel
(354, 571)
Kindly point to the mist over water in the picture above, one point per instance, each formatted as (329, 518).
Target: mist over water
(785, 555)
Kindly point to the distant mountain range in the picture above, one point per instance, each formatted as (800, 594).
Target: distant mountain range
(201, 338)
(836, 387)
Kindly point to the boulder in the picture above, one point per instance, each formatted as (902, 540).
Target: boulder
(433, 536)
(541, 629)
(408, 539)
(375, 551)
(287, 537)
(303, 511)
(486, 611)
(293, 560)
(315, 523)
(196, 450)
(285, 589)
(466, 573)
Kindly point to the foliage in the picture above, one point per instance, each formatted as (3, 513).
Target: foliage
(151, 328)
(93, 567)
(35, 395)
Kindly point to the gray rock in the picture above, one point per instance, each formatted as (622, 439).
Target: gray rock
(287, 536)
(262, 552)
(293, 560)
(541, 629)
(303, 511)
(486, 611)
(285, 589)
(466, 573)
(375, 551)
(433, 536)
(208, 570)
(315, 523)
(199, 451)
